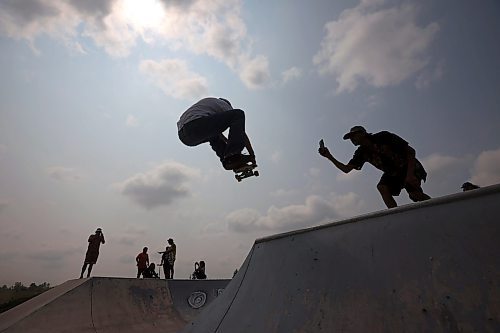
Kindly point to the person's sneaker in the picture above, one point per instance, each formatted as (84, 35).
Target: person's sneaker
(236, 161)
(232, 161)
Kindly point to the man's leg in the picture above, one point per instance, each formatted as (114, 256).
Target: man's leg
(84, 267)
(416, 193)
(138, 272)
(385, 192)
(165, 270)
(90, 269)
(172, 271)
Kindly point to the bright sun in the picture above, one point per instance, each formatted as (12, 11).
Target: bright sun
(143, 13)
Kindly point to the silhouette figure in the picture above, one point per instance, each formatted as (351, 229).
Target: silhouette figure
(150, 272)
(206, 120)
(92, 254)
(142, 261)
(199, 271)
(392, 155)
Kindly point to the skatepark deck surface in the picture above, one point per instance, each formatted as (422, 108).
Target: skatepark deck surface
(112, 305)
(432, 266)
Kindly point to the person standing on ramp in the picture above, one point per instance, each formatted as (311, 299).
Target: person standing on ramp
(92, 254)
(142, 261)
(389, 153)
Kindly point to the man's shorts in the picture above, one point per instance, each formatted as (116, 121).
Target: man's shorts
(398, 182)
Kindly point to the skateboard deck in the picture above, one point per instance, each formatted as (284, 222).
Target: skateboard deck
(245, 171)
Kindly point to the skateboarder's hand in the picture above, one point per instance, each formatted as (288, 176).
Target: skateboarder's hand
(324, 152)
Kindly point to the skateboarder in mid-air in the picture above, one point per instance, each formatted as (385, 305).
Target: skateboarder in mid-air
(206, 120)
(391, 154)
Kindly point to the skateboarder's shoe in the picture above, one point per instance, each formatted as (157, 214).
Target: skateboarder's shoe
(236, 161)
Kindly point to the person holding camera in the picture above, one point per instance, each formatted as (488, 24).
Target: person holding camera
(92, 254)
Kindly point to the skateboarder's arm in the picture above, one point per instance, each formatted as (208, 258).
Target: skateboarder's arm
(346, 168)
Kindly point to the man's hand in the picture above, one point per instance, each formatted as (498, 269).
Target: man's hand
(324, 152)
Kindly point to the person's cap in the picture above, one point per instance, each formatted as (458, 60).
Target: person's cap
(225, 100)
(98, 230)
(170, 240)
(355, 129)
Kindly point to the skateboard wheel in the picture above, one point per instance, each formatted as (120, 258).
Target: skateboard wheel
(256, 173)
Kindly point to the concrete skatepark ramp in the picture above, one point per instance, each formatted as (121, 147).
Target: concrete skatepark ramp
(427, 267)
(111, 305)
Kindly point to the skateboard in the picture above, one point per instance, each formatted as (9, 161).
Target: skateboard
(246, 171)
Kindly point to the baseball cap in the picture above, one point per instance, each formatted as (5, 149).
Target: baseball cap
(355, 129)
(98, 230)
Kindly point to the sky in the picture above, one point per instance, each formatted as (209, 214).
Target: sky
(90, 93)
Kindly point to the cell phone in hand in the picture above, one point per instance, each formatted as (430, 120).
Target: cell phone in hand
(321, 143)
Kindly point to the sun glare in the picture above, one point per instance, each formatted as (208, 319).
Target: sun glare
(143, 13)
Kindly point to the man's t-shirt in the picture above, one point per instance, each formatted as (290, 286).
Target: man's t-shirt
(389, 154)
(95, 242)
(205, 107)
(142, 260)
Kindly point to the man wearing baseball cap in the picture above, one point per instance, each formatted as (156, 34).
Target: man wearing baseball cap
(392, 155)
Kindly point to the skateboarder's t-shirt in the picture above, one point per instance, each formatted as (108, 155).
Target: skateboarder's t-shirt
(205, 107)
(389, 153)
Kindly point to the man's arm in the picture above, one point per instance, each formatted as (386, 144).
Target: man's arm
(346, 168)
(102, 239)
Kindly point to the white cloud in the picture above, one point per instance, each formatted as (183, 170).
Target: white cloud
(284, 193)
(436, 163)
(381, 46)
(348, 176)
(290, 74)
(428, 76)
(132, 121)
(64, 174)
(255, 72)
(174, 78)
(30, 19)
(486, 169)
(159, 186)
(314, 211)
(204, 27)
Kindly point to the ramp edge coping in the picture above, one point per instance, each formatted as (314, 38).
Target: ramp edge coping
(483, 191)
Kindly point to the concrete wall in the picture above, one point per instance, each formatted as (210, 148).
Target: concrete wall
(426, 267)
(110, 305)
